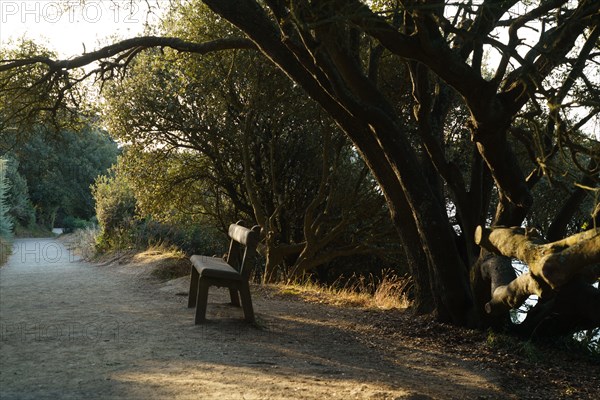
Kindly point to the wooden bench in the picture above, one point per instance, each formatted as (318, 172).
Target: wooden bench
(233, 273)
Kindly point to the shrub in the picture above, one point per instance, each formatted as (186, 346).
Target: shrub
(115, 210)
(121, 228)
(83, 243)
(188, 238)
(71, 224)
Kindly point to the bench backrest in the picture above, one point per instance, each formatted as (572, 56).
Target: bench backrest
(242, 247)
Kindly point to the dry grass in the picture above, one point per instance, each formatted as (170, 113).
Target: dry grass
(386, 292)
(167, 262)
(160, 261)
(5, 250)
(82, 242)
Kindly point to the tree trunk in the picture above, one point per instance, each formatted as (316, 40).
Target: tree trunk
(385, 149)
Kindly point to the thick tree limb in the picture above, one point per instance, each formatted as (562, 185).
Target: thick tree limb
(551, 265)
(554, 262)
(431, 51)
(514, 294)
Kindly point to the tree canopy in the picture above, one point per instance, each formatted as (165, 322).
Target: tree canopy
(222, 138)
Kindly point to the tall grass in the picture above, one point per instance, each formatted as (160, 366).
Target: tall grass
(83, 242)
(387, 291)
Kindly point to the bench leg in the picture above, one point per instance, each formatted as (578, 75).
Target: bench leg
(193, 294)
(202, 301)
(246, 301)
(235, 299)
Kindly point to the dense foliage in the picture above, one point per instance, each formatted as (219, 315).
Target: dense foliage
(123, 227)
(51, 174)
(21, 208)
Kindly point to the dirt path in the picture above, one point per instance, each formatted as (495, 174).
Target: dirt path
(73, 330)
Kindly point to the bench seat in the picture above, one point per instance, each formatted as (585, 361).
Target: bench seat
(214, 267)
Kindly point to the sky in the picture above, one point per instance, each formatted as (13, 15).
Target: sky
(73, 26)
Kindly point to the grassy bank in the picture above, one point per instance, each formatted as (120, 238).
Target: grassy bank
(33, 231)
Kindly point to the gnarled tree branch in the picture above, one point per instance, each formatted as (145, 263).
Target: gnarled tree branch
(551, 265)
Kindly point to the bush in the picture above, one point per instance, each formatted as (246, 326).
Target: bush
(83, 243)
(115, 203)
(190, 239)
(145, 233)
(121, 228)
(115, 210)
(71, 224)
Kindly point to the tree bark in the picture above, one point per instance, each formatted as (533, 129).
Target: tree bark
(551, 265)
(489, 273)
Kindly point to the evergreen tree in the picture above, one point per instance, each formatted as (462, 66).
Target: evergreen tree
(5, 220)
(21, 209)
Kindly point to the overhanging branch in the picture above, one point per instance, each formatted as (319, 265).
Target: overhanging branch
(128, 45)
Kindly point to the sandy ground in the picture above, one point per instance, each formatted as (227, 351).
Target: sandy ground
(74, 330)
